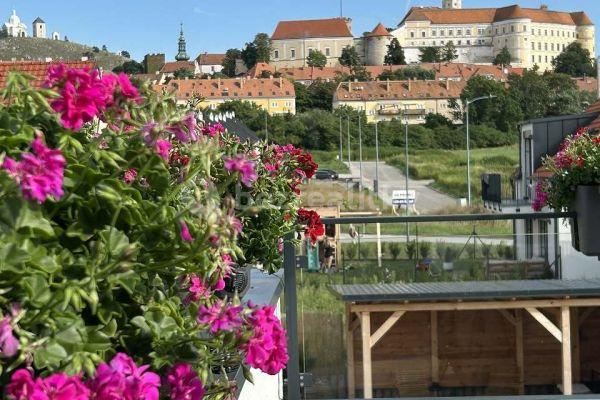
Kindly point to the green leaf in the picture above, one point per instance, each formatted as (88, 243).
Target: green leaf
(161, 325)
(37, 290)
(247, 374)
(50, 355)
(34, 223)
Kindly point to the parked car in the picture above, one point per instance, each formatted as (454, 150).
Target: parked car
(326, 174)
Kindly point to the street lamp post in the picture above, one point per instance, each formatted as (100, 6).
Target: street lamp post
(341, 139)
(349, 157)
(360, 156)
(406, 171)
(468, 103)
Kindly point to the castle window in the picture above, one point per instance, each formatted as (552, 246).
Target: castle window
(459, 42)
(539, 32)
(546, 58)
(412, 34)
(433, 43)
(563, 47)
(468, 42)
(512, 28)
(539, 45)
(293, 54)
(539, 58)
(310, 50)
(532, 59)
(546, 46)
(480, 31)
(442, 32)
(450, 32)
(423, 34)
(503, 29)
(433, 32)
(524, 28)
(552, 46)
(545, 32)
(327, 51)
(468, 32)
(552, 32)
(276, 54)
(532, 45)
(459, 32)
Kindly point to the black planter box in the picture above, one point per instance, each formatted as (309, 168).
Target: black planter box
(586, 231)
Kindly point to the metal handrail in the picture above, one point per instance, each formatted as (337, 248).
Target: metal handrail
(448, 218)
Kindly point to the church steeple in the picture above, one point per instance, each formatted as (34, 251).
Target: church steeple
(182, 55)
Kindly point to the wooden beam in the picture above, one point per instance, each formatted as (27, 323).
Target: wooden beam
(567, 381)
(366, 356)
(350, 351)
(475, 305)
(508, 316)
(576, 345)
(385, 327)
(435, 361)
(519, 350)
(355, 324)
(546, 323)
(586, 314)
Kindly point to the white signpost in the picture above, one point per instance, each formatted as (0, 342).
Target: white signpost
(404, 198)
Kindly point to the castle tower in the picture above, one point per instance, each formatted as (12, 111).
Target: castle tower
(451, 4)
(182, 55)
(39, 28)
(376, 43)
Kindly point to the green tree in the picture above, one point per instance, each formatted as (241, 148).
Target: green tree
(104, 48)
(503, 58)
(229, 61)
(259, 50)
(316, 59)
(395, 54)
(130, 67)
(430, 54)
(433, 120)
(183, 73)
(448, 52)
(410, 72)
(502, 112)
(574, 61)
(125, 54)
(350, 58)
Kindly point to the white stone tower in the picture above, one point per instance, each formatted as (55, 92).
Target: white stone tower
(451, 4)
(39, 28)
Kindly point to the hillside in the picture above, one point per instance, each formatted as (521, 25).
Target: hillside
(40, 49)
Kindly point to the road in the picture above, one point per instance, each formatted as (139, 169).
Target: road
(391, 178)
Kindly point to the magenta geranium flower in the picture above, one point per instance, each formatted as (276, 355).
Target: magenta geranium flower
(267, 348)
(130, 176)
(220, 316)
(186, 236)
(244, 167)
(122, 379)
(162, 148)
(58, 386)
(184, 383)
(40, 175)
(198, 290)
(9, 345)
(213, 129)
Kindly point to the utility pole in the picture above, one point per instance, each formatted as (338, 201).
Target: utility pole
(341, 139)
(406, 171)
(376, 159)
(349, 157)
(360, 149)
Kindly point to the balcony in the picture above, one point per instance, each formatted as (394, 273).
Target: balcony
(499, 193)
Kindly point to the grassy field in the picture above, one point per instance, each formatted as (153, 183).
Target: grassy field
(448, 167)
(329, 160)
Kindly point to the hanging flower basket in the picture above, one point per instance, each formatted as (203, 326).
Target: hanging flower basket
(575, 186)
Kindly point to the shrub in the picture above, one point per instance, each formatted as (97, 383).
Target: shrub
(425, 249)
(395, 250)
(411, 250)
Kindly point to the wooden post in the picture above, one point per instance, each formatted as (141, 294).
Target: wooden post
(519, 350)
(576, 345)
(366, 350)
(565, 322)
(435, 362)
(350, 353)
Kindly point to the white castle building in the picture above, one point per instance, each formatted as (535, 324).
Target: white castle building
(14, 27)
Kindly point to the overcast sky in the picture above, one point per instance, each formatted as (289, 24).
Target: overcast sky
(144, 26)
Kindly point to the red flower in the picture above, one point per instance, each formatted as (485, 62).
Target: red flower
(314, 227)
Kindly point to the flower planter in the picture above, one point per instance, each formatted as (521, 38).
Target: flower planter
(238, 282)
(586, 232)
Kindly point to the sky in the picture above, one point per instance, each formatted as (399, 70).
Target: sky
(152, 26)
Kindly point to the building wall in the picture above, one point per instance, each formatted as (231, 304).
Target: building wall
(153, 63)
(376, 49)
(274, 106)
(39, 30)
(530, 43)
(211, 69)
(293, 52)
(418, 109)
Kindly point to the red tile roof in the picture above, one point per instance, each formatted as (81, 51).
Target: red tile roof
(210, 59)
(379, 30)
(587, 84)
(489, 15)
(315, 28)
(38, 69)
(398, 90)
(230, 89)
(172, 67)
(594, 108)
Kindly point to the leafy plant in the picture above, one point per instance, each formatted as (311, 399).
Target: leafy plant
(395, 250)
(425, 249)
(411, 250)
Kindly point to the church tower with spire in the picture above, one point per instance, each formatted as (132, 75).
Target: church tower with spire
(182, 54)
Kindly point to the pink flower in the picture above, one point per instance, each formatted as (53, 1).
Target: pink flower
(220, 316)
(9, 345)
(220, 285)
(190, 133)
(185, 233)
(162, 148)
(541, 197)
(267, 348)
(130, 176)
(245, 167)
(213, 130)
(236, 225)
(280, 245)
(122, 379)
(184, 383)
(198, 290)
(214, 240)
(127, 89)
(41, 174)
(58, 386)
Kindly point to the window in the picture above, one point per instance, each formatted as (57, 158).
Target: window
(532, 59)
(503, 29)
(512, 28)
(310, 50)
(552, 46)
(450, 32)
(459, 42)
(468, 31)
(546, 58)
(539, 45)
(292, 53)
(543, 237)
(496, 31)
(442, 42)
(539, 58)
(552, 32)
(442, 32)
(276, 54)
(412, 34)
(532, 45)
(433, 32)
(468, 42)
(273, 104)
(459, 32)
(480, 31)
(546, 32)
(433, 42)
(423, 34)
(524, 28)
(328, 51)
(563, 47)
(546, 46)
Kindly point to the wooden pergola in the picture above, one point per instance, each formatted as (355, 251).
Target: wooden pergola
(569, 303)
